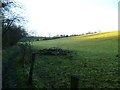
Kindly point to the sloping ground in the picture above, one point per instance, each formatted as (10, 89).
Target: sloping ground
(95, 61)
(98, 35)
(93, 42)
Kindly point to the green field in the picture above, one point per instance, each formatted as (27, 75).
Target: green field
(94, 61)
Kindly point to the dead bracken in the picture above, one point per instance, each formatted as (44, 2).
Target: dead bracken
(55, 51)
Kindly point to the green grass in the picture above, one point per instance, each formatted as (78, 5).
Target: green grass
(95, 61)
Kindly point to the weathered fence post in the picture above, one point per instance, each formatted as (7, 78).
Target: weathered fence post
(31, 69)
(74, 83)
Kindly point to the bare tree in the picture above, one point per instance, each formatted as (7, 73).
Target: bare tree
(11, 11)
(12, 22)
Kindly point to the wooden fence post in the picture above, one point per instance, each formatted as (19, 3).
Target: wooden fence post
(74, 83)
(31, 69)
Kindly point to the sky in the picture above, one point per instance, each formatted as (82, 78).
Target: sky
(55, 17)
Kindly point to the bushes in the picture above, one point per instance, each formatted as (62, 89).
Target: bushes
(12, 36)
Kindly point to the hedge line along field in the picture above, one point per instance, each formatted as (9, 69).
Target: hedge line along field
(94, 62)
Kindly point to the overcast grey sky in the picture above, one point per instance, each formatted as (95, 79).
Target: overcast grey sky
(52, 17)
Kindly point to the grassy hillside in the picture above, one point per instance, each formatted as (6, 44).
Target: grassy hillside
(101, 43)
(95, 61)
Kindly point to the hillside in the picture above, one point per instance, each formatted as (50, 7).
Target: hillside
(95, 61)
(106, 41)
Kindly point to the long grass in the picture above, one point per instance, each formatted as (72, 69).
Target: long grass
(95, 61)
